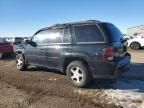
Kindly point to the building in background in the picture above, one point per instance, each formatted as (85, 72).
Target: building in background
(137, 30)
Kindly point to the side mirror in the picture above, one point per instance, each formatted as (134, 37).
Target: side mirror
(30, 42)
(33, 44)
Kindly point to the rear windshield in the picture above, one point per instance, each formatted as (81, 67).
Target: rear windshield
(113, 32)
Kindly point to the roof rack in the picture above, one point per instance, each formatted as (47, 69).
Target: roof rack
(71, 23)
(56, 25)
(80, 22)
(87, 21)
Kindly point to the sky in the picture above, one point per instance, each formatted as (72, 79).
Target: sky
(25, 17)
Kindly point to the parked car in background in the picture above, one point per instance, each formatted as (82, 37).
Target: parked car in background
(136, 42)
(9, 39)
(83, 50)
(17, 40)
(19, 45)
(5, 47)
(128, 37)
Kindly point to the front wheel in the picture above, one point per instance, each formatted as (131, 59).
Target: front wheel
(78, 74)
(20, 62)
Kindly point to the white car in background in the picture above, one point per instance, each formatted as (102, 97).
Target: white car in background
(136, 42)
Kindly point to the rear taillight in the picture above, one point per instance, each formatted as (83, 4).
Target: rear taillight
(108, 53)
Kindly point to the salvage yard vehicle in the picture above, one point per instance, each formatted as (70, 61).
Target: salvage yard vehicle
(17, 40)
(136, 42)
(5, 47)
(83, 50)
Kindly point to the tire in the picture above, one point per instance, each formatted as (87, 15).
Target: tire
(135, 46)
(78, 74)
(1, 55)
(20, 62)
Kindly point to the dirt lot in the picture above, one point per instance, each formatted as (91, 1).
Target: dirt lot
(43, 88)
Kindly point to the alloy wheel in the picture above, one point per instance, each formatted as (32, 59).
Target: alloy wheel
(135, 46)
(76, 74)
(19, 62)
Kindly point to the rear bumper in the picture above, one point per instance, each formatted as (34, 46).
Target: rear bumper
(111, 69)
(123, 64)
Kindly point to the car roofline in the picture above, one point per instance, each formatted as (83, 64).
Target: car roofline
(65, 25)
(71, 23)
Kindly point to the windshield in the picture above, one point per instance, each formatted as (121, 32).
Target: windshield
(113, 32)
(2, 40)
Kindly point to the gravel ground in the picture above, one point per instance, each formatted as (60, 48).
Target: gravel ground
(42, 88)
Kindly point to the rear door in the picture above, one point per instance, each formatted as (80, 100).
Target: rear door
(89, 45)
(59, 46)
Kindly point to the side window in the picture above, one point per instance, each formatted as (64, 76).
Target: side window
(55, 36)
(58, 36)
(52, 36)
(41, 37)
(88, 33)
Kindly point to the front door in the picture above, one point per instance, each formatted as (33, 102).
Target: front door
(37, 55)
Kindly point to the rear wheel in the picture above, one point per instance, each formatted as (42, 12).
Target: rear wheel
(1, 54)
(78, 74)
(20, 61)
(135, 45)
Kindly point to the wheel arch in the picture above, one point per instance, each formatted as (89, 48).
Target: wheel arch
(135, 42)
(21, 52)
(68, 60)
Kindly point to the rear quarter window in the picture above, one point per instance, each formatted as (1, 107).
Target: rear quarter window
(114, 34)
(88, 33)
